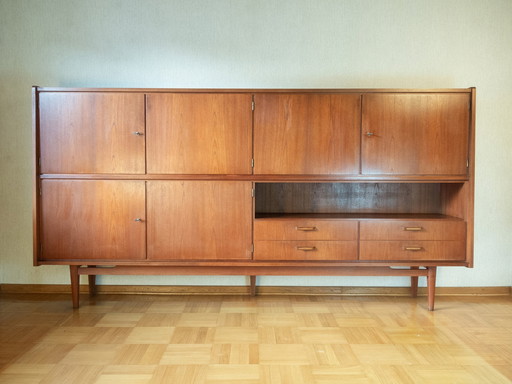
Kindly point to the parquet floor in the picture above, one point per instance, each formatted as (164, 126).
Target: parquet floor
(267, 339)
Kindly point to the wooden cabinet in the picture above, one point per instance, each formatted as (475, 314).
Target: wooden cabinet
(411, 230)
(304, 250)
(91, 132)
(254, 182)
(306, 134)
(85, 220)
(441, 239)
(205, 133)
(305, 229)
(305, 239)
(415, 134)
(199, 220)
(413, 250)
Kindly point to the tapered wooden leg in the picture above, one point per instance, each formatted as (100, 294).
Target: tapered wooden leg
(92, 282)
(414, 284)
(75, 285)
(431, 286)
(253, 285)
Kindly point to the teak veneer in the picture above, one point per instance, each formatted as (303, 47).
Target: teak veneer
(252, 182)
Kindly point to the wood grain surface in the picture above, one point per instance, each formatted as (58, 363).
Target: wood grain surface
(199, 133)
(306, 134)
(257, 340)
(415, 134)
(93, 219)
(199, 220)
(92, 133)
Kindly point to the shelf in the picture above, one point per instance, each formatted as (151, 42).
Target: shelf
(355, 216)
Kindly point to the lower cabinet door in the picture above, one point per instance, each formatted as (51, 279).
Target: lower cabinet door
(305, 250)
(412, 250)
(92, 220)
(199, 220)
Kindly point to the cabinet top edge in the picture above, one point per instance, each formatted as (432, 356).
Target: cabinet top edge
(257, 90)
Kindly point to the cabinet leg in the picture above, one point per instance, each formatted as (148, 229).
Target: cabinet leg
(431, 286)
(414, 284)
(92, 282)
(253, 285)
(75, 285)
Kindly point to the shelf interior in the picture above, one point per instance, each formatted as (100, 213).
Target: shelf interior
(357, 200)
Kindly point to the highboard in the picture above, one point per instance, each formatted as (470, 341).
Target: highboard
(254, 182)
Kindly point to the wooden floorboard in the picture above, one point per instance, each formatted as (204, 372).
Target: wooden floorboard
(294, 339)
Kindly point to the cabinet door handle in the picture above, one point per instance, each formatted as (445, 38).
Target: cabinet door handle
(306, 249)
(413, 249)
(138, 219)
(138, 133)
(413, 229)
(306, 229)
(370, 134)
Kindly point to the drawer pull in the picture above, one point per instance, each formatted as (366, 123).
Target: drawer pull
(413, 249)
(413, 229)
(306, 229)
(306, 249)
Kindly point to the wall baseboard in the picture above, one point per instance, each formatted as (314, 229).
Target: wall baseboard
(261, 290)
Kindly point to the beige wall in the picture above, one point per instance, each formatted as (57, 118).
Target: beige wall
(269, 44)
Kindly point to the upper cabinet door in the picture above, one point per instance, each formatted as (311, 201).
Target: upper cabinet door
(199, 133)
(92, 132)
(415, 134)
(306, 134)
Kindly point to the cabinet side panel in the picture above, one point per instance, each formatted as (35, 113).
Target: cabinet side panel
(92, 132)
(93, 220)
(306, 134)
(199, 133)
(199, 220)
(471, 183)
(36, 204)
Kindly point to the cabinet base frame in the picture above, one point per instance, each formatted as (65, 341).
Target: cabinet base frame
(92, 271)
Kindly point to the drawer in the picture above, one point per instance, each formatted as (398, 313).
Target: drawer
(412, 250)
(296, 229)
(412, 230)
(305, 250)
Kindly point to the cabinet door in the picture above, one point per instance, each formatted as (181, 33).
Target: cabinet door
(199, 133)
(420, 134)
(199, 220)
(93, 220)
(91, 132)
(306, 134)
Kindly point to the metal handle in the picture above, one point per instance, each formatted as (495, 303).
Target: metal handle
(414, 249)
(370, 134)
(306, 229)
(138, 219)
(138, 133)
(306, 249)
(413, 229)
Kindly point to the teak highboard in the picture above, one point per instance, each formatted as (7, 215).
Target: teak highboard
(325, 182)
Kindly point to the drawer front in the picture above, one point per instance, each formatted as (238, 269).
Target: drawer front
(305, 230)
(305, 250)
(412, 230)
(412, 250)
